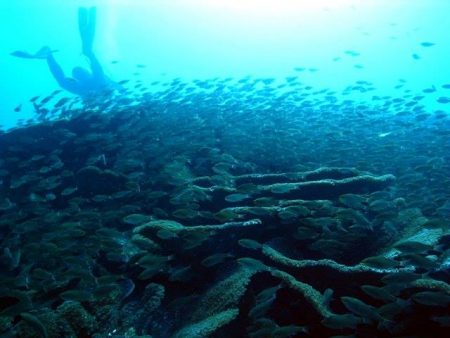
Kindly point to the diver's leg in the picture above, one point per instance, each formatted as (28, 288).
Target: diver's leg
(87, 31)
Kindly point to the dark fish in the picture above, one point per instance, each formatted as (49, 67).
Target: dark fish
(249, 244)
(352, 53)
(61, 102)
(390, 310)
(443, 321)
(432, 298)
(18, 108)
(35, 323)
(443, 100)
(379, 293)
(56, 91)
(400, 278)
(76, 295)
(291, 78)
(420, 261)
(149, 273)
(427, 44)
(288, 331)
(429, 90)
(380, 262)
(46, 99)
(250, 263)
(215, 259)
(181, 274)
(236, 197)
(345, 321)
(166, 234)
(412, 247)
(416, 56)
(267, 294)
(360, 308)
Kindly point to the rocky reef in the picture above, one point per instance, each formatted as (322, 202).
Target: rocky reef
(131, 224)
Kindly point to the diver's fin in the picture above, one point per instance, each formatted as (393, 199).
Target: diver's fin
(86, 25)
(92, 19)
(82, 18)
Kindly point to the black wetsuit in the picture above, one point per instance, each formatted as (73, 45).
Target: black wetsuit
(95, 81)
(92, 81)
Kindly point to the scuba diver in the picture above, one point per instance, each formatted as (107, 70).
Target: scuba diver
(83, 82)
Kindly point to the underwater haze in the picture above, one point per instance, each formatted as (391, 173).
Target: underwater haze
(225, 168)
(204, 39)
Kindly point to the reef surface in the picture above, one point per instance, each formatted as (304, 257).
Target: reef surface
(226, 210)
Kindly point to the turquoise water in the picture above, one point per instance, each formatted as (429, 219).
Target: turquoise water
(204, 39)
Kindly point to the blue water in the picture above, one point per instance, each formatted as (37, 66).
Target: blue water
(341, 41)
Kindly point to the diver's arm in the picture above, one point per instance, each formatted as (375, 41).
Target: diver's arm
(57, 72)
(55, 68)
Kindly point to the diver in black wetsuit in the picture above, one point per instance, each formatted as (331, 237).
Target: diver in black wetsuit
(83, 82)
